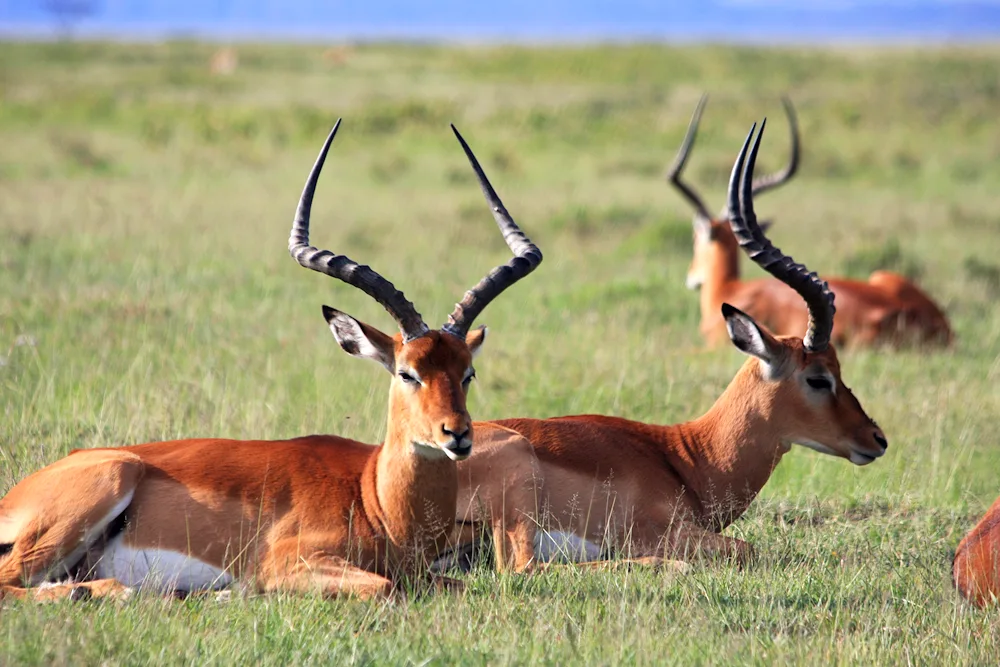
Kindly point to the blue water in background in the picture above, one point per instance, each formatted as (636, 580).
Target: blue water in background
(519, 20)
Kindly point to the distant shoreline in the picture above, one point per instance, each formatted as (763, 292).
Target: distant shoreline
(786, 22)
(470, 37)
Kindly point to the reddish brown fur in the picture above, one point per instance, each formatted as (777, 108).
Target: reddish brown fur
(886, 309)
(655, 491)
(318, 512)
(976, 569)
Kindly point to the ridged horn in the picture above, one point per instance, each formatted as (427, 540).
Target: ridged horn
(815, 292)
(527, 256)
(344, 268)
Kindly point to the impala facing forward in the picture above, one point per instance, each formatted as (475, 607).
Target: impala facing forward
(315, 513)
(887, 308)
(589, 486)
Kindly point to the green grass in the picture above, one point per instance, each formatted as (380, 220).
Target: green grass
(146, 293)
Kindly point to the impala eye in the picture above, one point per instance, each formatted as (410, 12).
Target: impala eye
(407, 378)
(820, 383)
(468, 378)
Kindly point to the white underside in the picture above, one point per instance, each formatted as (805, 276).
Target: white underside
(158, 569)
(550, 546)
(563, 547)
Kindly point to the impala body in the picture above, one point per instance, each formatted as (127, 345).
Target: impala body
(318, 513)
(587, 486)
(976, 568)
(887, 308)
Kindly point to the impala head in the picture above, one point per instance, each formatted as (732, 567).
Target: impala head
(817, 409)
(714, 243)
(431, 369)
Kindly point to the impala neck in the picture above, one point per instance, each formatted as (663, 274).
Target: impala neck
(722, 271)
(416, 492)
(728, 454)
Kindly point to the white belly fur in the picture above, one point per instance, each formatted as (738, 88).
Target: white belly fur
(564, 547)
(158, 569)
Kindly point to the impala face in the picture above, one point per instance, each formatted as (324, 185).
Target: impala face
(431, 378)
(716, 252)
(832, 420)
(709, 250)
(815, 408)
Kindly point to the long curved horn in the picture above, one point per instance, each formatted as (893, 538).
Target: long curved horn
(765, 183)
(674, 172)
(344, 268)
(527, 256)
(815, 292)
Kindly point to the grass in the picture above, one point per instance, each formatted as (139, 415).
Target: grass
(146, 294)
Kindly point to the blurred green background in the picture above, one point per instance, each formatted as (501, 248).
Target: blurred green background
(146, 293)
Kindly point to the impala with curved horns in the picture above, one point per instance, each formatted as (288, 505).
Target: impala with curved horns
(976, 568)
(316, 513)
(887, 308)
(589, 486)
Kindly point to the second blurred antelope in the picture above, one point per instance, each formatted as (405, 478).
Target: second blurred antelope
(887, 308)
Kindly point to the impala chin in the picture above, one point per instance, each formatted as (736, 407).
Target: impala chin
(860, 459)
(863, 458)
(692, 282)
(458, 450)
(818, 447)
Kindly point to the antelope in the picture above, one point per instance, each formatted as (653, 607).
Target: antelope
(888, 308)
(319, 512)
(976, 568)
(590, 485)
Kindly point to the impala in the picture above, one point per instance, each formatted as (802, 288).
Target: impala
(592, 485)
(316, 513)
(976, 569)
(888, 308)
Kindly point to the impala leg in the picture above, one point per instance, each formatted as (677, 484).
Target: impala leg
(503, 490)
(689, 542)
(293, 568)
(50, 518)
(514, 544)
(615, 565)
(99, 588)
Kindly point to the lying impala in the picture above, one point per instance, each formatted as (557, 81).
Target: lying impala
(593, 485)
(976, 569)
(886, 309)
(314, 513)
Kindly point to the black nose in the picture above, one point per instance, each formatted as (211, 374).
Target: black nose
(458, 436)
(880, 439)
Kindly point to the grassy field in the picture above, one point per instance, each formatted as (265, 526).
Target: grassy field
(146, 293)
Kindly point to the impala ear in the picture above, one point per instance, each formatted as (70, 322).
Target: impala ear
(751, 339)
(475, 339)
(703, 227)
(360, 340)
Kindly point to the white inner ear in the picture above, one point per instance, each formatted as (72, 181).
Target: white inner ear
(482, 339)
(747, 337)
(353, 340)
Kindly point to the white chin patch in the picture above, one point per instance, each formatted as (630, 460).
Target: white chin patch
(860, 459)
(430, 451)
(692, 283)
(818, 447)
(158, 569)
(454, 456)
